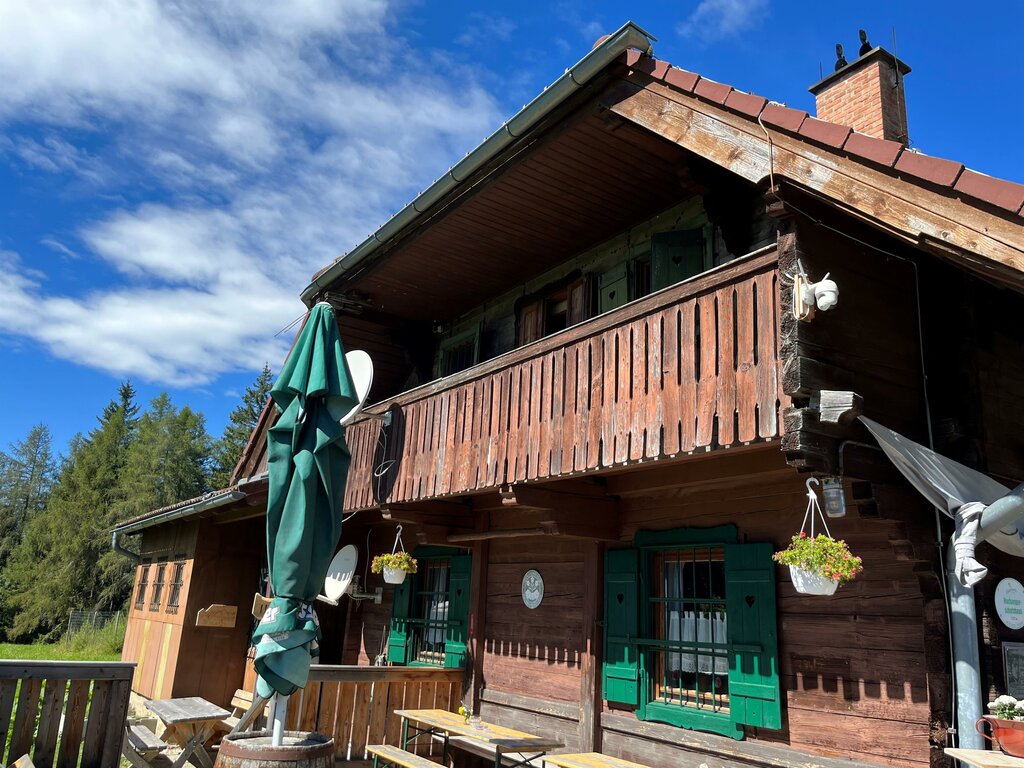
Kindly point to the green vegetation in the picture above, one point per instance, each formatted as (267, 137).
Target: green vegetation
(87, 644)
(56, 515)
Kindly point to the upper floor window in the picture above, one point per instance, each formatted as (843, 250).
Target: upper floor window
(460, 352)
(158, 586)
(143, 585)
(177, 581)
(691, 637)
(430, 612)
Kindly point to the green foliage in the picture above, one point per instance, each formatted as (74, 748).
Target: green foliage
(228, 450)
(402, 561)
(127, 466)
(823, 555)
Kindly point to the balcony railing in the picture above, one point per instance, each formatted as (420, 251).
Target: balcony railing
(692, 367)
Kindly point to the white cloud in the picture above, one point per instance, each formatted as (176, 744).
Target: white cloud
(714, 20)
(267, 137)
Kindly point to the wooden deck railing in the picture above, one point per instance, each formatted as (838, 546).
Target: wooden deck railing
(356, 705)
(691, 367)
(64, 713)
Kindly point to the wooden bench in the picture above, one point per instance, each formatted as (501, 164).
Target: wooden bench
(392, 755)
(141, 745)
(589, 760)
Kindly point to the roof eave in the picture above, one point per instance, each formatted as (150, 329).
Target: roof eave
(604, 53)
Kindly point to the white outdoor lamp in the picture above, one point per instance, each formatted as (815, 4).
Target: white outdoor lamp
(835, 497)
(807, 296)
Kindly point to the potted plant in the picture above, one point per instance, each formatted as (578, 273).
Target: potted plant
(394, 566)
(1007, 722)
(819, 565)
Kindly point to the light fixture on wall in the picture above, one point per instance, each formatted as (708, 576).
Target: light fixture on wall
(809, 295)
(834, 496)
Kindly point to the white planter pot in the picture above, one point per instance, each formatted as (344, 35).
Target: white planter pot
(393, 575)
(810, 583)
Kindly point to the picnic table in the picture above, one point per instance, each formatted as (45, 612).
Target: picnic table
(189, 722)
(440, 721)
(985, 758)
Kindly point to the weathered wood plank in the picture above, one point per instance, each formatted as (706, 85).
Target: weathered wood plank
(96, 723)
(49, 723)
(74, 718)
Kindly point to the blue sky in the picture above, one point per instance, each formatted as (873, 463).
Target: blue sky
(172, 173)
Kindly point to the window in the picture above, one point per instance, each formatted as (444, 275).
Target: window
(430, 612)
(140, 593)
(677, 256)
(460, 352)
(691, 637)
(158, 587)
(177, 581)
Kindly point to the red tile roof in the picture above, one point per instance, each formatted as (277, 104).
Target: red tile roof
(907, 163)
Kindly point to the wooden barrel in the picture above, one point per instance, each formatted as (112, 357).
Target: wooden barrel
(300, 749)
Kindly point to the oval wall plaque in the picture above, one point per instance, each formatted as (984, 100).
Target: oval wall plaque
(533, 589)
(1010, 603)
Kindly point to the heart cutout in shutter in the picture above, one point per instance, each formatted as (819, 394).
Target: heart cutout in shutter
(750, 600)
(458, 592)
(611, 295)
(620, 597)
(677, 260)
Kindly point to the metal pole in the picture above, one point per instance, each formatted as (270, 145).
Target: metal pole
(280, 717)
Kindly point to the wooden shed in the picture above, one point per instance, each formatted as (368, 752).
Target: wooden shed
(585, 339)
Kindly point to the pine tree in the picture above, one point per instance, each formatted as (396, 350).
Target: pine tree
(54, 567)
(241, 422)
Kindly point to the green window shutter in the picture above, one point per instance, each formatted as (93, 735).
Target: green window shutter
(398, 634)
(613, 288)
(457, 631)
(621, 671)
(676, 256)
(754, 697)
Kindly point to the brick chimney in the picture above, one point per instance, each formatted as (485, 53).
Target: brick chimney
(866, 95)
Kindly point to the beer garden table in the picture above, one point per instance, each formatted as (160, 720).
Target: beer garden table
(445, 723)
(190, 722)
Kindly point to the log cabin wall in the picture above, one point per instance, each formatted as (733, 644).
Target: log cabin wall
(854, 670)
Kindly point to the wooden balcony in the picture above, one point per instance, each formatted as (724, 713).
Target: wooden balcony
(691, 368)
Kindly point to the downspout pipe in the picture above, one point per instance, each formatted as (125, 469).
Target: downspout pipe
(628, 36)
(964, 620)
(115, 544)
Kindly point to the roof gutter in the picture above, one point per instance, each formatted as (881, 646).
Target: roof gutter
(176, 514)
(629, 35)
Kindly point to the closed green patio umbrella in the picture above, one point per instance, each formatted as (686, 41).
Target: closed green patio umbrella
(308, 466)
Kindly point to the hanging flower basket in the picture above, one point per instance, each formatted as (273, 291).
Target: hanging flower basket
(394, 566)
(811, 583)
(818, 565)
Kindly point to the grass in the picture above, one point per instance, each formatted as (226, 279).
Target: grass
(85, 645)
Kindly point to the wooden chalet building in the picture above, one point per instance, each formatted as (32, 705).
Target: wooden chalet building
(584, 338)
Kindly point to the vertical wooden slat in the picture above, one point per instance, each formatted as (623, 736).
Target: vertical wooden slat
(118, 709)
(325, 719)
(7, 691)
(746, 388)
(49, 723)
(596, 355)
(653, 415)
(343, 718)
(378, 712)
(515, 404)
(550, 414)
(706, 394)
(689, 354)
(95, 724)
(767, 359)
(538, 398)
(726, 389)
(24, 719)
(671, 387)
(74, 717)
(639, 423)
(360, 720)
(396, 700)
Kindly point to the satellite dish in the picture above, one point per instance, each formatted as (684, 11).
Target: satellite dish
(339, 574)
(361, 367)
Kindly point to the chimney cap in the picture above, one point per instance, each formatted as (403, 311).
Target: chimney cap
(874, 54)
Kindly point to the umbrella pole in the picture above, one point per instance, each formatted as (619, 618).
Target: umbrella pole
(279, 715)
